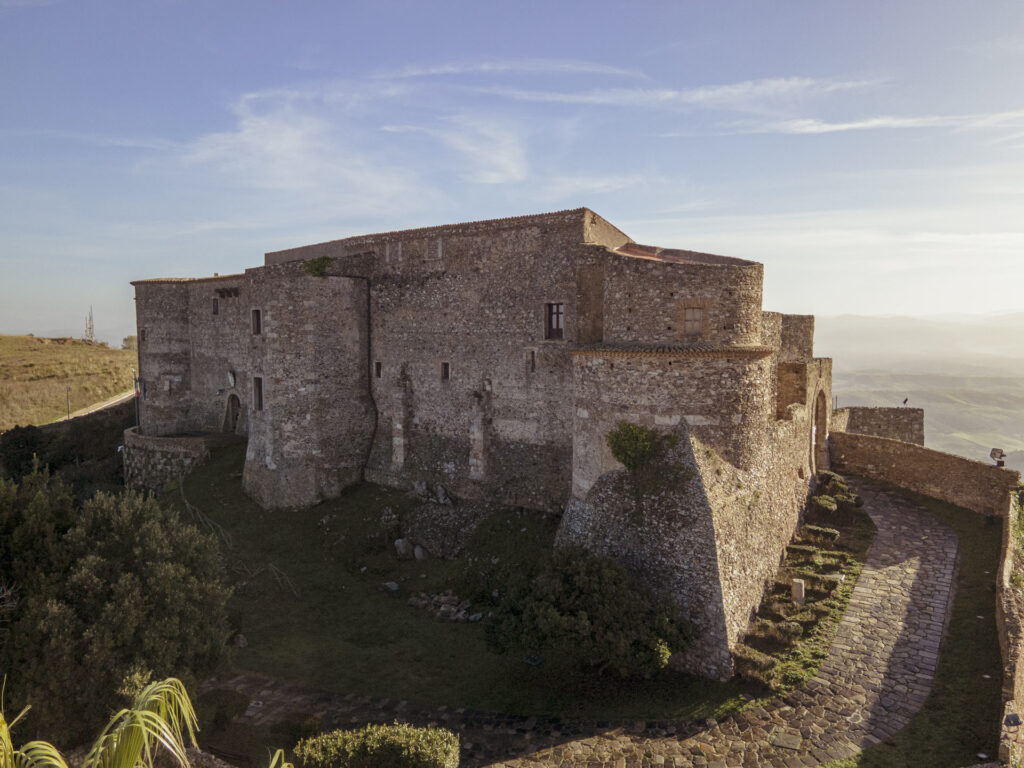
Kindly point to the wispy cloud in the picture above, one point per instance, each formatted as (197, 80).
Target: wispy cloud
(742, 96)
(974, 121)
(492, 150)
(574, 187)
(516, 66)
(8, 4)
(996, 48)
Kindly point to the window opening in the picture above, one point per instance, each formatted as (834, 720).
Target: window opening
(216, 307)
(555, 321)
(446, 371)
(693, 321)
(257, 393)
(533, 360)
(377, 369)
(257, 322)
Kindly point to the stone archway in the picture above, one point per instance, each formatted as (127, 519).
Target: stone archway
(819, 434)
(231, 413)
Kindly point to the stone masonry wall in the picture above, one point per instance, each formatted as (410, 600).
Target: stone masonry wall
(311, 437)
(150, 462)
(979, 487)
(164, 356)
(906, 424)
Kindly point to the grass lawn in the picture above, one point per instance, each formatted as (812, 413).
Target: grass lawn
(308, 599)
(961, 717)
(35, 372)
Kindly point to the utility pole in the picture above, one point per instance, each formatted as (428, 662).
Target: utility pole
(90, 333)
(69, 402)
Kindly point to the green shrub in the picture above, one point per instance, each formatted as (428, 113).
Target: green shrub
(317, 267)
(819, 535)
(585, 607)
(632, 445)
(381, 746)
(106, 591)
(297, 725)
(752, 664)
(824, 503)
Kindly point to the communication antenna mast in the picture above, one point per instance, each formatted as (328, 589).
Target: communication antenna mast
(90, 333)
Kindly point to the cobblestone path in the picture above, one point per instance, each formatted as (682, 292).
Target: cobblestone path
(875, 678)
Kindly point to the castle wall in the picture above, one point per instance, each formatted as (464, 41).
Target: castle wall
(164, 356)
(219, 353)
(152, 462)
(500, 425)
(310, 435)
(723, 397)
(906, 424)
(980, 487)
(645, 301)
(796, 338)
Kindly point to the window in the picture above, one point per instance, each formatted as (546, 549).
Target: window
(377, 369)
(257, 393)
(693, 321)
(555, 321)
(216, 307)
(257, 323)
(142, 335)
(446, 371)
(533, 360)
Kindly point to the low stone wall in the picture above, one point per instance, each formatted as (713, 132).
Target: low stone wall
(151, 462)
(979, 487)
(906, 424)
(1010, 624)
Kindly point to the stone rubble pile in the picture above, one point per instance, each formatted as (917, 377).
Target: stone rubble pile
(445, 605)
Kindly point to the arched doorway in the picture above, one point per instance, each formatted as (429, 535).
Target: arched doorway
(234, 407)
(819, 434)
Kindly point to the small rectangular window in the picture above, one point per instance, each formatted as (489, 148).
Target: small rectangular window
(257, 393)
(555, 321)
(142, 335)
(257, 323)
(216, 307)
(693, 321)
(446, 371)
(533, 360)
(377, 369)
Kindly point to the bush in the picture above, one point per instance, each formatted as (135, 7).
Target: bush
(824, 503)
(317, 267)
(584, 607)
(381, 746)
(819, 535)
(107, 591)
(632, 445)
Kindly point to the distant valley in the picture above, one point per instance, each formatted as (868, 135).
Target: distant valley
(966, 372)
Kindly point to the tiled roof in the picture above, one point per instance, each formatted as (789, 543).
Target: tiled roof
(442, 229)
(676, 256)
(188, 279)
(699, 349)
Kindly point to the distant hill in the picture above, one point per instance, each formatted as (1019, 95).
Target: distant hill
(967, 372)
(35, 372)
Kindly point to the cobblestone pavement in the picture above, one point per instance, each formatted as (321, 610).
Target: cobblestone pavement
(875, 678)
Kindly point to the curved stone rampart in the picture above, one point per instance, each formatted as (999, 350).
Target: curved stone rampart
(151, 461)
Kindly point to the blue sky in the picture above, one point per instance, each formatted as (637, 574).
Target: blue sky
(870, 154)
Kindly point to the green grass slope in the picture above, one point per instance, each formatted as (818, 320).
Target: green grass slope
(35, 372)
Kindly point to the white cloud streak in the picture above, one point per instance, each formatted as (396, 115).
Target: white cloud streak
(746, 95)
(976, 121)
(512, 66)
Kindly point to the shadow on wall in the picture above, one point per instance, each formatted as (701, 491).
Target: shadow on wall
(658, 522)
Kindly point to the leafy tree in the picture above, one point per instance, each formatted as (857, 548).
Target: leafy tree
(130, 342)
(104, 590)
(585, 607)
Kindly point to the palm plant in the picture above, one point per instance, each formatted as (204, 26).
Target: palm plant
(161, 716)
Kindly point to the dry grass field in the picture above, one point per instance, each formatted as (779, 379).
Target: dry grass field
(35, 372)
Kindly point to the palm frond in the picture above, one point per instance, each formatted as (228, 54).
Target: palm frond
(278, 761)
(161, 716)
(35, 754)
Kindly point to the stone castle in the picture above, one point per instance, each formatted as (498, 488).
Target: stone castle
(492, 359)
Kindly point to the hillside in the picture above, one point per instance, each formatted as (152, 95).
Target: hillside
(966, 372)
(35, 372)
